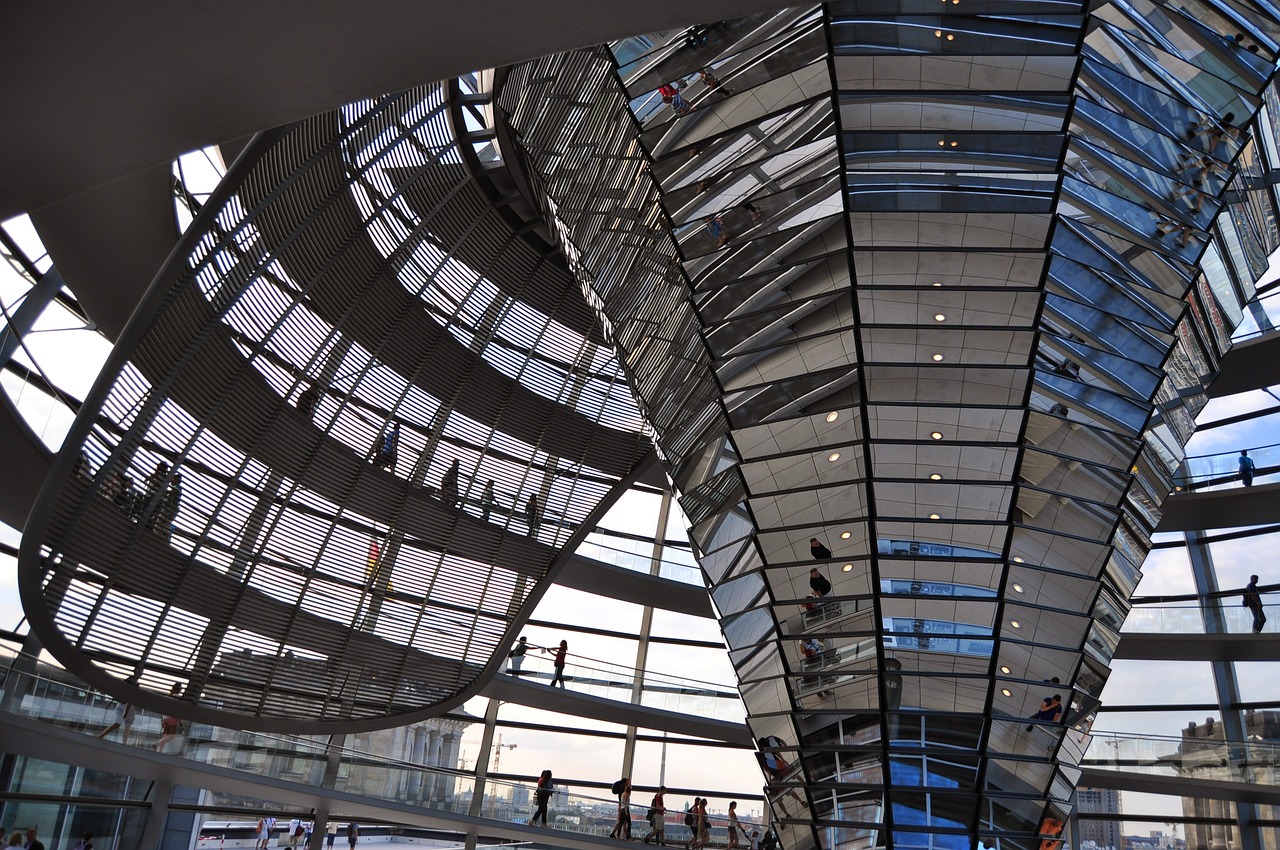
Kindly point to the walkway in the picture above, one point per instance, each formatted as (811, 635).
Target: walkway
(1234, 507)
(1138, 646)
(1251, 364)
(26, 737)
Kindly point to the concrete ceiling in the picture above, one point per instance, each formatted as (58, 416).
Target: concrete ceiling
(94, 92)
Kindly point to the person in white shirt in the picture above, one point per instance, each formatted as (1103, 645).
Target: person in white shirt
(295, 832)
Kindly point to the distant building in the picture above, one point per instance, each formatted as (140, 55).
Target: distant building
(1205, 754)
(1104, 832)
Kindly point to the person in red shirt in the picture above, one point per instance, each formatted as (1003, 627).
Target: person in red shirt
(559, 663)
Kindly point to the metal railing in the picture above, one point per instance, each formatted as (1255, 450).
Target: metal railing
(312, 761)
(1212, 758)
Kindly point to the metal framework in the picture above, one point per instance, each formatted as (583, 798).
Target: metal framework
(342, 450)
(917, 282)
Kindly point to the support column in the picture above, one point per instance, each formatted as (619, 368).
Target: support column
(646, 626)
(23, 319)
(1224, 677)
(482, 768)
(153, 832)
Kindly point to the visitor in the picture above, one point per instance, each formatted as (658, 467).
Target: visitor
(331, 832)
(1050, 710)
(623, 823)
(387, 448)
(353, 834)
(732, 826)
(1253, 601)
(715, 226)
(817, 581)
(309, 400)
(542, 796)
(85, 843)
(33, 843)
(294, 833)
(516, 656)
(819, 551)
(122, 720)
(755, 839)
(560, 652)
(532, 515)
(264, 833)
(488, 501)
(449, 485)
(170, 502)
(658, 818)
(1246, 468)
(691, 821)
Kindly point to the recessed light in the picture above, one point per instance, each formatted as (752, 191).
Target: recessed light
(1015, 624)
(845, 535)
(950, 37)
(942, 143)
(833, 416)
(935, 477)
(937, 435)
(937, 358)
(1017, 588)
(934, 516)
(937, 283)
(1006, 692)
(1017, 559)
(833, 457)
(939, 317)
(937, 33)
(1005, 670)
(953, 144)
(848, 568)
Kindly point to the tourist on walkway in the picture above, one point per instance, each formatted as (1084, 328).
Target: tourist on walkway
(818, 550)
(33, 843)
(542, 796)
(1253, 601)
(488, 501)
(658, 817)
(560, 652)
(122, 720)
(623, 823)
(732, 826)
(533, 515)
(516, 656)
(817, 581)
(387, 449)
(449, 485)
(1246, 468)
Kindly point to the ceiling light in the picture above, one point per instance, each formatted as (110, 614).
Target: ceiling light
(848, 568)
(833, 416)
(937, 358)
(935, 477)
(1017, 559)
(934, 516)
(845, 535)
(1015, 624)
(1005, 670)
(954, 144)
(942, 143)
(1006, 692)
(833, 457)
(937, 33)
(937, 435)
(939, 317)
(1017, 588)
(950, 37)
(937, 283)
